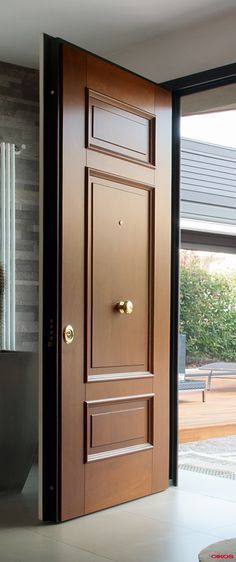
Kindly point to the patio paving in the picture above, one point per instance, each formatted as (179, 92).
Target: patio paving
(212, 456)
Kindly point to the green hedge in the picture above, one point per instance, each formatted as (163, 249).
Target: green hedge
(208, 314)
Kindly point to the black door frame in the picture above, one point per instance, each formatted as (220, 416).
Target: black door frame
(180, 87)
(51, 249)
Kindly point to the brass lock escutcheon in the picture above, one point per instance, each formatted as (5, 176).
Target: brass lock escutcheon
(125, 307)
(68, 333)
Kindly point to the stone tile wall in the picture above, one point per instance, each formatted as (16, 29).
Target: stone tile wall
(19, 124)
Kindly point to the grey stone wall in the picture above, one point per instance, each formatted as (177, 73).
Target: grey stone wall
(19, 124)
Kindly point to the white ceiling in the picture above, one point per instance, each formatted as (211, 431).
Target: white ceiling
(101, 26)
(217, 99)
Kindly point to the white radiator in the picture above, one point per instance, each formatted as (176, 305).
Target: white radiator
(7, 257)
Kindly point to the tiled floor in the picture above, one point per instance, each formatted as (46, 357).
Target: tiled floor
(169, 527)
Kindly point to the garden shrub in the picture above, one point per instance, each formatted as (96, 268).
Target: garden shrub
(208, 314)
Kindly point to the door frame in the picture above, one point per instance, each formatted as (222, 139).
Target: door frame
(50, 289)
(180, 87)
(50, 252)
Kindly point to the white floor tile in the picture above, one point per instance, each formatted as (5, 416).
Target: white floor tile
(193, 511)
(128, 536)
(183, 548)
(225, 532)
(26, 546)
(108, 534)
(212, 486)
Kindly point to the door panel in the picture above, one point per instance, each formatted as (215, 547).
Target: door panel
(118, 269)
(117, 127)
(118, 426)
(114, 225)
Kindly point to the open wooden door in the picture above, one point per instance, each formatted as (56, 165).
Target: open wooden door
(107, 248)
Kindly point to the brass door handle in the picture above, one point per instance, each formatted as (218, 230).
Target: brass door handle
(125, 307)
(68, 333)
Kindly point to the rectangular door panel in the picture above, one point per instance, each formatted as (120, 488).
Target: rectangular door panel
(119, 128)
(118, 272)
(118, 426)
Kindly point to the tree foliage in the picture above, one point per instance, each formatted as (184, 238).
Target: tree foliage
(208, 314)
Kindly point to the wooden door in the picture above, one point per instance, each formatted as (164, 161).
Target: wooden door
(114, 229)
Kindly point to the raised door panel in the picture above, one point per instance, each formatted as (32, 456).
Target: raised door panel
(118, 271)
(121, 129)
(118, 426)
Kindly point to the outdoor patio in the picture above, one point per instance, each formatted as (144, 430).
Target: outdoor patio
(214, 418)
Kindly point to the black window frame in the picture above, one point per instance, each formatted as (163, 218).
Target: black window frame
(179, 87)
